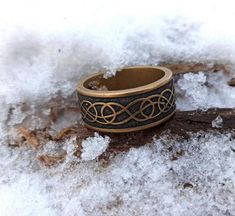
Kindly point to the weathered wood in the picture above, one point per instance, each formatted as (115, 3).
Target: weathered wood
(184, 67)
(179, 126)
(182, 124)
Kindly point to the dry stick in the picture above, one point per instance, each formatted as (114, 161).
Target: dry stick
(65, 131)
(49, 160)
(30, 137)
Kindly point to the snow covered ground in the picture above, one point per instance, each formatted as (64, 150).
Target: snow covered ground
(46, 46)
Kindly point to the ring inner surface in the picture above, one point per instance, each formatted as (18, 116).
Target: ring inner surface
(127, 78)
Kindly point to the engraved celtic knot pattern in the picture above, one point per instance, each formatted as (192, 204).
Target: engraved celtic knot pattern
(140, 109)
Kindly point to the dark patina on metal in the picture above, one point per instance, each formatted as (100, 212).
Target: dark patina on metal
(130, 109)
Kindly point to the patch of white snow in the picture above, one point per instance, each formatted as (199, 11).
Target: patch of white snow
(92, 147)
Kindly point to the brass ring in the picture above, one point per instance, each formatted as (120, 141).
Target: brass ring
(136, 98)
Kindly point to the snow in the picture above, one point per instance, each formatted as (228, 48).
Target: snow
(84, 37)
(204, 91)
(143, 181)
(47, 46)
(217, 122)
(92, 147)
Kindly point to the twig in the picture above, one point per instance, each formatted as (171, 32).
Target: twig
(30, 137)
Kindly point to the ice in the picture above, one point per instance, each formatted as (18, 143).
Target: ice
(217, 122)
(193, 87)
(203, 91)
(92, 147)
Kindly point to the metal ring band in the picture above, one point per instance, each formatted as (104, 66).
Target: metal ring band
(136, 98)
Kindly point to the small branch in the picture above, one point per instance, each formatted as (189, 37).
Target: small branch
(50, 160)
(30, 137)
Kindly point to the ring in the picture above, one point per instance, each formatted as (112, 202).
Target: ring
(135, 99)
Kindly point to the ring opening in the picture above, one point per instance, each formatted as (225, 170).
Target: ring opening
(125, 79)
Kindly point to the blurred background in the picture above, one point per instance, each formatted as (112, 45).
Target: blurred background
(47, 45)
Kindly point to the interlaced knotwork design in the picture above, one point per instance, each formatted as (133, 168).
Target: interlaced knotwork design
(113, 113)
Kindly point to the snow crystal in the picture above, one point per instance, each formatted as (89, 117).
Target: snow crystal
(193, 88)
(217, 122)
(92, 147)
(202, 90)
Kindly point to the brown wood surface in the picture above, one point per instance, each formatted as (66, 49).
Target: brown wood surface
(183, 67)
(180, 126)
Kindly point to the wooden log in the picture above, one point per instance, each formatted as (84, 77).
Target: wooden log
(180, 126)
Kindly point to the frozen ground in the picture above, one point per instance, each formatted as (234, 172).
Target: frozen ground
(46, 46)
